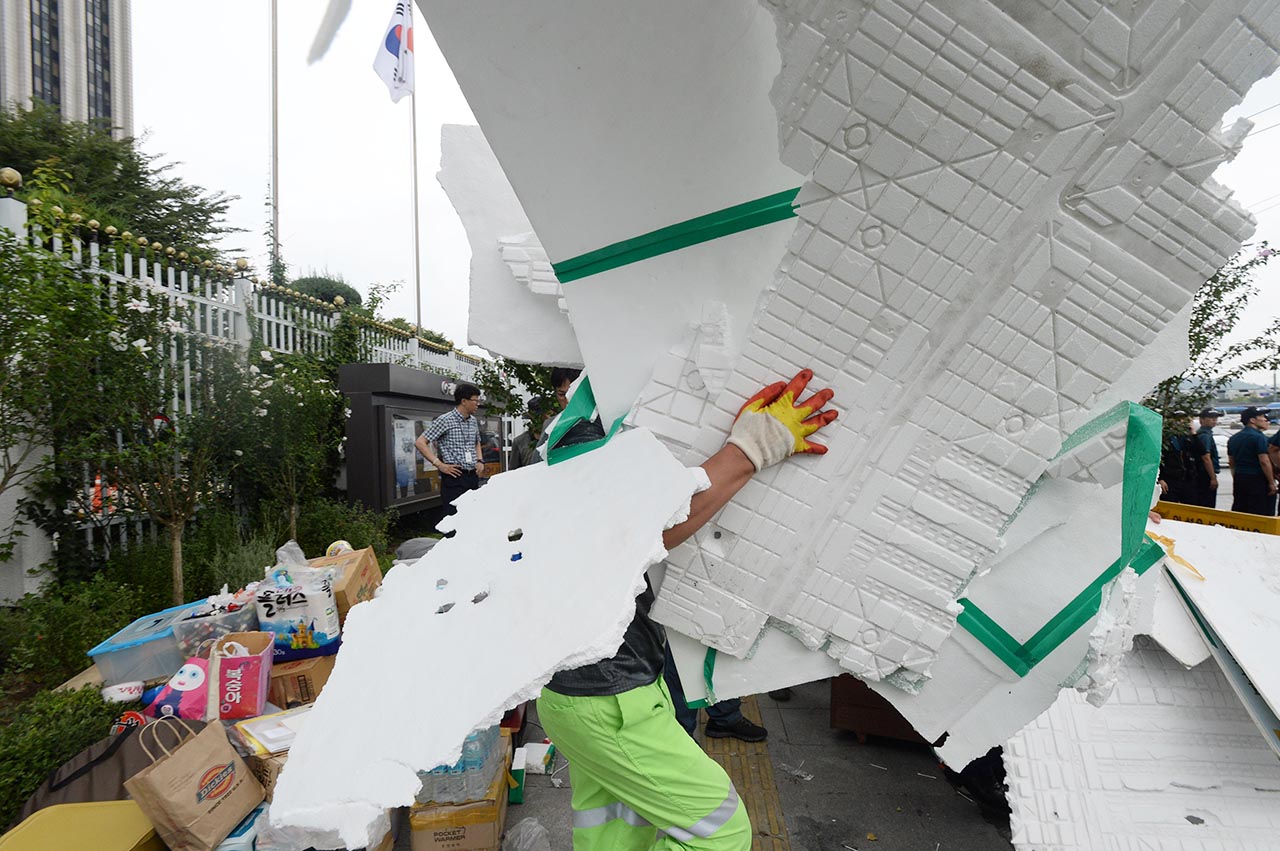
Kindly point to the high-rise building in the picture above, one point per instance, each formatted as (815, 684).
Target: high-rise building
(73, 54)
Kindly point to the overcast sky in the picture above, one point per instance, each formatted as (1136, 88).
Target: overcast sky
(202, 97)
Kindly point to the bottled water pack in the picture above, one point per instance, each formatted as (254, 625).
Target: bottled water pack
(470, 777)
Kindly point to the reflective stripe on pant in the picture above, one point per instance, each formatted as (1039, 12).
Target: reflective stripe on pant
(639, 781)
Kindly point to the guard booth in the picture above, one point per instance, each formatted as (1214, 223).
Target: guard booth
(390, 406)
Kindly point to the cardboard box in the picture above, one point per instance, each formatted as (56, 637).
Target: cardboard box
(267, 769)
(476, 826)
(357, 581)
(299, 683)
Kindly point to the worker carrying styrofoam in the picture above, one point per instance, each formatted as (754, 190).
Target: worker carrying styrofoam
(639, 780)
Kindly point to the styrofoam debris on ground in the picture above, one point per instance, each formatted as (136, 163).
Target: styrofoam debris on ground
(1171, 762)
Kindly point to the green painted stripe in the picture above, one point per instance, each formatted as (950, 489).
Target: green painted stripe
(1141, 461)
(980, 625)
(708, 671)
(582, 406)
(731, 220)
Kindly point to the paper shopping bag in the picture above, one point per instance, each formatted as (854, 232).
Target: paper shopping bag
(197, 788)
(240, 675)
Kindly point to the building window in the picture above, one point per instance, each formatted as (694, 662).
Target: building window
(98, 55)
(46, 76)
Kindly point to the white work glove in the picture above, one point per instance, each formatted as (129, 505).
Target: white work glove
(771, 426)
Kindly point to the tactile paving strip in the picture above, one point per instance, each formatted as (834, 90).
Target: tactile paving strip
(749, 767)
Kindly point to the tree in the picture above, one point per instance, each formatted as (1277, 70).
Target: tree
(171, 409)
(325, 286)
(1219, 306)
(53, 328)
(503, 381)
(301, 411)
(425, 333)
(110, 180)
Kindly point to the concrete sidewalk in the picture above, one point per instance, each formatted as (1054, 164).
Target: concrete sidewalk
(891, 790)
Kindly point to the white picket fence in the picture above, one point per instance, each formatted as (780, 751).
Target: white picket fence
(224, 303)
(223, 300)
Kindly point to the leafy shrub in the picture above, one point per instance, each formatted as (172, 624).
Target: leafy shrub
(46, 636)
(145, 567)
(221, 551)
(45, 732)
(324, 521)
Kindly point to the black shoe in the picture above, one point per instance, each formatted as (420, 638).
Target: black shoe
(740, 729)
(782, 695)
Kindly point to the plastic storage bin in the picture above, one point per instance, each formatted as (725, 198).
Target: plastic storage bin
(191, 633)
(144, 650)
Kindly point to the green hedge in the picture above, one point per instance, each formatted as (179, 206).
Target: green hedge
(45, 637)
(45, 732)
(324, 521)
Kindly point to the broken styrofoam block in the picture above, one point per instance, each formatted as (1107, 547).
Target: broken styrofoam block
(618, 120)
(1003, 207)
(446, 646)
(1229, 582)
(987, 244)
(777, 661)
(1162, 617)
(510, 312)
(1061, 624)
(1170, 762)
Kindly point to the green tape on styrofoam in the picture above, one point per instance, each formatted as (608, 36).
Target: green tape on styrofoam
(582, 406)
(1141, 463)
(708, 671)
(731, 220)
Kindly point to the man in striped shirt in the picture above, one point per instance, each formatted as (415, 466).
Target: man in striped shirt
(457, 436)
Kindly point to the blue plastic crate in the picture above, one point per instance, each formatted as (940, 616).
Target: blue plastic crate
(144, 650)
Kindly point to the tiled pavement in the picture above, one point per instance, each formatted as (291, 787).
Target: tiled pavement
(891, 790)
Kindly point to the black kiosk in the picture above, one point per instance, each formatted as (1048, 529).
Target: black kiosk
(390, 406)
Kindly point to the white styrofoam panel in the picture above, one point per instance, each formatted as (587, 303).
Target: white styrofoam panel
(1004, 205)
(1239, 596)
(616, 120)
(777, 661)
(1172, 761)
(989, 239)
(509, 314)
(1161, 616)
(448, 644)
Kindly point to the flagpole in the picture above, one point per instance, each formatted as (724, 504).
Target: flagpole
(417, 260)
(275, 144)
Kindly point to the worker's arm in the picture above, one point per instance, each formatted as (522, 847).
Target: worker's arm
(479, 458)
(770, 427)
(424, 446)
(1207, 460)
(1268, 471)
(1273, 453)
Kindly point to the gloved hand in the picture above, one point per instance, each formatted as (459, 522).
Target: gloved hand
(771, 426)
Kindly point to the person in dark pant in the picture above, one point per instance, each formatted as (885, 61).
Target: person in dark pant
(1204, 488)
(1252, 476)
(457, 435)
(724, 719)
(1175, 461)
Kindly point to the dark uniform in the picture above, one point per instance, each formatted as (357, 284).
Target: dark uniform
(1250, 490)
(1202, 493)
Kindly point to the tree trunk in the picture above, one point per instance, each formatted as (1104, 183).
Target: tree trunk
(175, 549)
(293, 522)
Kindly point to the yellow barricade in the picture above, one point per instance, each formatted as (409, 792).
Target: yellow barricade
(1215, 517)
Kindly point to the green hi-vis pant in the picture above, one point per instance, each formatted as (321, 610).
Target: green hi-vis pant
(639, 780)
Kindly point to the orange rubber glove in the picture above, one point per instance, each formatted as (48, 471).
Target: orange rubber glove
(772, 426)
